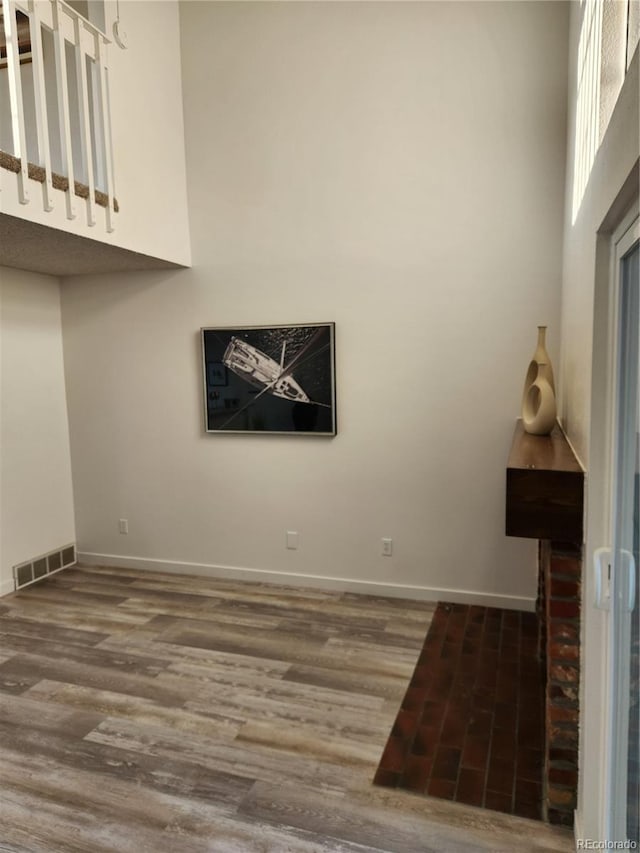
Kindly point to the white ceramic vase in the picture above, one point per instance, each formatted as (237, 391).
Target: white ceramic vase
(539, 392)
(539, 406)
(540, 356)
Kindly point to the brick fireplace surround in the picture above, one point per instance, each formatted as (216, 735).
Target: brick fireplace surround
(558, 607)
(544, 501)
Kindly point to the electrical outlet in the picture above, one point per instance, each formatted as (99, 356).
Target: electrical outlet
(292, 540)
(123, 525)
(387, 547)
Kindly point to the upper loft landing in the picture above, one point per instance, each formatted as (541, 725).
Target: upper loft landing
(54, 104)
(62, 80)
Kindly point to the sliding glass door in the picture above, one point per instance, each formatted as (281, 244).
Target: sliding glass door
(624, 663)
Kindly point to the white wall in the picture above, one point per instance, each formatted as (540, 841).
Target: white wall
(399, 169)
(613, 166)
(611, 187)
(148, 139)
(36, 498)
(148, 131)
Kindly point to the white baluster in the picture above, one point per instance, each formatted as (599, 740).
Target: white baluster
(85, 121)
(15, 98)
(106, 131)
(63, 106)
(42, 123)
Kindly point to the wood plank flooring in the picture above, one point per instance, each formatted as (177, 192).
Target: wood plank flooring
(149, 712)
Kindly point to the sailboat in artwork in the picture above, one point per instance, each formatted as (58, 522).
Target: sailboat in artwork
(261, 370)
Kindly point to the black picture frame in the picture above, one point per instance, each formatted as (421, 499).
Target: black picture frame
(280, 380)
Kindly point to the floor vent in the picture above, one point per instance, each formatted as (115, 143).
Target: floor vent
(38, 568)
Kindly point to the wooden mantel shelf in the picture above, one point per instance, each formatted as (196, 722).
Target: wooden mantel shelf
(545, 488)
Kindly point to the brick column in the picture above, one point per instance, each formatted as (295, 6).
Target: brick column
(544, 550)
(559, 608)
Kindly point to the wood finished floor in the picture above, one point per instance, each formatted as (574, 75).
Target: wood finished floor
(149, 712)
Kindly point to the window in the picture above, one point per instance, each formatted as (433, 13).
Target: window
(608, 38)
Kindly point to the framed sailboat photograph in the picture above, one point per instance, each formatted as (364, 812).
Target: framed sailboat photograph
(278, 379)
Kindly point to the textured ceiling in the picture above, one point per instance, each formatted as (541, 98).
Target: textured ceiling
(28, 246)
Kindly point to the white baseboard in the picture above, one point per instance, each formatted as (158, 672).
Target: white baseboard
(6, 587)
(419, 593)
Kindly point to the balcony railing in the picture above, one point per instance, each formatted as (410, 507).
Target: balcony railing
(57, 106)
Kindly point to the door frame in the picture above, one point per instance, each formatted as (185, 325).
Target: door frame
(595, 740)
(618, 639)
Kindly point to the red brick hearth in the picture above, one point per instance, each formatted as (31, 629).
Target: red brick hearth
(491, 716)
(471, 724)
